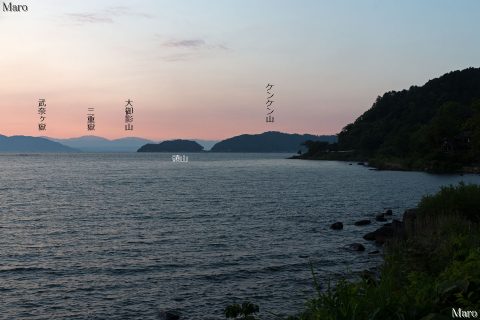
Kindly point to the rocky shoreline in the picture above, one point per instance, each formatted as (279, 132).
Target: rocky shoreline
(396, 229)
(390, 165)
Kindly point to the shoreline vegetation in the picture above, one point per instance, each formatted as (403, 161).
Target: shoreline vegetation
(433, 128)
(431, 267)
(393, 164)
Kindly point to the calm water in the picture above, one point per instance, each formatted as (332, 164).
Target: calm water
(122, 236)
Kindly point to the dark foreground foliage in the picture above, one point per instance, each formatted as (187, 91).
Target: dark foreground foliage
(245, 311)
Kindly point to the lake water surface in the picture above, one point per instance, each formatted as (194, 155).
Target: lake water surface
(122, 236)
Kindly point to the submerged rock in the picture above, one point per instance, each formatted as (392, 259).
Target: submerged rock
(357, 247)
(362, 222)
(337, 226)
(169, 315)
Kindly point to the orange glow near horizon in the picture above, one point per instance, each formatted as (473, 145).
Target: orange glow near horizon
(198, 71)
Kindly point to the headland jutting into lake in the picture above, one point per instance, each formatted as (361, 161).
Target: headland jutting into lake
(435, 128)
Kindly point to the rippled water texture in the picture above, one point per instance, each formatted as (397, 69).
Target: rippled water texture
(122, 236)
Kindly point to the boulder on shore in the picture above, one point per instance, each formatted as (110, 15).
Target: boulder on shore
(394, 229)
(337, 226)
(398, 227)
(380, 235)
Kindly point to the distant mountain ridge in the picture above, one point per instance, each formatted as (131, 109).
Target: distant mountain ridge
(265, 142)
(31, 145)
(271, 141)
(99, 144)
(128, 144)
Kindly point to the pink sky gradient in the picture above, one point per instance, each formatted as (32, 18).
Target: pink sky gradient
(199, 71)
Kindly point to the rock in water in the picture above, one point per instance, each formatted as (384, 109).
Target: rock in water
(169, 315)
(389, 212)
(369, 236)
(362, 222)
(380, 217)
(337, 226)
(380, 235)
(357, 247)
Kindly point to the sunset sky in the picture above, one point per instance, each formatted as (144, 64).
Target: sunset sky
(198, 69)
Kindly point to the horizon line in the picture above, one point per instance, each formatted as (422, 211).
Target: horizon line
(156, 139)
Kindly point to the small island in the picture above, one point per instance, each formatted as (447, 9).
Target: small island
(172, 146)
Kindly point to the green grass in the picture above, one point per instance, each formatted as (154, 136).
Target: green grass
(435, 268)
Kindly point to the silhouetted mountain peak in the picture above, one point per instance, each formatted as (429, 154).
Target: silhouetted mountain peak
(177, 145)
(20, 143)
(270, 141)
